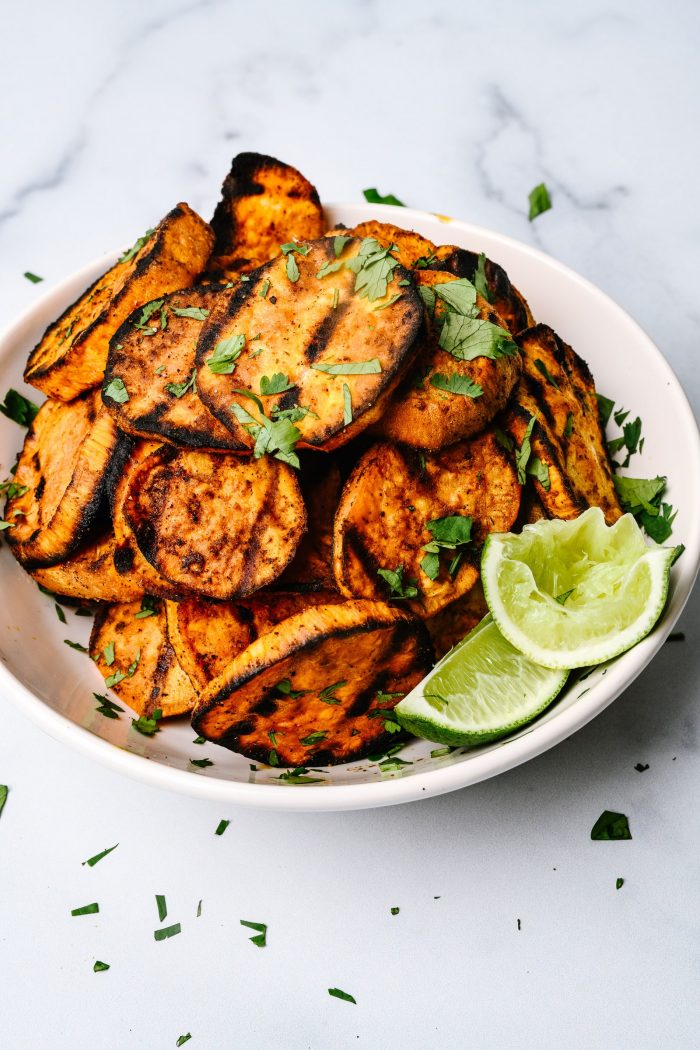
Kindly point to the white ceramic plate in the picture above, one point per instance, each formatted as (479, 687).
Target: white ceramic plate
(53, 684)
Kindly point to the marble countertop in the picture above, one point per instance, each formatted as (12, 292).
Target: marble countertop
(511, 933)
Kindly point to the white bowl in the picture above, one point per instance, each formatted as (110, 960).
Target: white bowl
(53, 684)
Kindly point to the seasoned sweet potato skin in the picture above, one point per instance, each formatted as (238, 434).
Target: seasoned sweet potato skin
(71, 355)
(70, 455)
(339, 662)
(215, 525)
(264, 203)
(153, 680)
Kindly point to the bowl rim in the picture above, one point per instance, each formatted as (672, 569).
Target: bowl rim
(436, 781)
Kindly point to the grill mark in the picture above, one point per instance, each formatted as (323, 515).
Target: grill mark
(324, 330)
(354, 545)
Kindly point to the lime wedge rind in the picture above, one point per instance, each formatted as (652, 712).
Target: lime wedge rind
(482, 690)
(617, 588)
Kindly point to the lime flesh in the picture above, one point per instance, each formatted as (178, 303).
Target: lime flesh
(575, 593)
(480, 691)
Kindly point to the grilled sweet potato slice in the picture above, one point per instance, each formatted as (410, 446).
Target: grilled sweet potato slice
(411, 247)
(128, 559)
(387, 502)
(456, 620)
(264, 203)
(89, 575)
(312, 565)
(424, 411)
(72, 353)
(311, 690)
(133, 653)
(70, 454)
(156, 363)
(207, 635)
(304, 327)
(505, 299)
(215, 525)
(557, 388)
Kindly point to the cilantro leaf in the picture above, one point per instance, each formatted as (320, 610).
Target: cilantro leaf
(338, 993)
(540, 201)
(197, 313)
(136, 247)
(99, 966)
(285, 687)
(480, 282)
(179, 389)
(350, 368)
(275, 384)
(389, 302)
(162, 907)
(347, 405)
(75, 645)
(221, 827)
(99, 856)
(605, 407)
(569, 425)
(116, 391)
(373, 196)
(86, 909)
(459, 296)
(327, 694)
(456, 384)
(33, 277)
(4, 791)
(292, 269)
(147, 726)
(373, 267)
(201, 763)
(19, 408)
(339, 243)
(167, 931)
(273, 437)
(299, 776)
(184, 1039)
(609, 826)
(542, 368)
(539, 470)
(451, 531)
(522, 454)
(146, 313)
(313, 738)
(226, 353)
(398, 587)
(469, 337)
(427, 294)
(149, 607)
(260, 940)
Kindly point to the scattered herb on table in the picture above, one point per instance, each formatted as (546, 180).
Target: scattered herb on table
(75, 645)
(147, 726)
(162, 906)
(86, 909)
(609, 826)
(19, 408)
(99, 856)
(201, 763)
(642, 768)
(100, 967)
(395, 911)
(4, 791)
(167, 931)
(338, 993)
(221, 827)
(260, 939)
(183, 1039)
(33, 277)
(540, 201)
(60, 613)
(619, 883)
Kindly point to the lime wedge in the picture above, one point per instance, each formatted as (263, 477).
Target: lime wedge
(481, 690)
(575, 593)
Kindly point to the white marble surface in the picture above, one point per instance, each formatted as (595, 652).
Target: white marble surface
(114, 111)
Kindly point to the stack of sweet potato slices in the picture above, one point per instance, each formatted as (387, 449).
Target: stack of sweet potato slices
(271, 453)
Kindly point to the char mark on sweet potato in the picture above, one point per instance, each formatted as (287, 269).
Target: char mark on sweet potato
(71, 355)
(317, 688)
(505, 299)
(264, 203)
(90, 575)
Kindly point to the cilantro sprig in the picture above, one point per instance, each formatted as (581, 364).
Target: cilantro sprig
(399, 587)
(19, 408)
(273, 437)
(449, 534)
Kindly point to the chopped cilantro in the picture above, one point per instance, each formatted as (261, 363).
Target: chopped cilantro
(540, 471)
(456, 384)
(100, 967)
(398, 587)
(564, 596)
(108, 653)
(299, 776)
(440, 751)
(522, 454)
(260, 940)
(373, 267)
(107, 707)
(619, 883)
(480, 282)
(162, 907)
(201, 763)
(569, 425)
(347, 405)
(540, 201)
(226, 353)
(393, 765)
(542, 368)
(641, 768)
(338, 993)
(86, 909)
(197, 313)
(394, 911)
(33, 277)
(609, 826)
(285, 687)
(149, 607)
(167, 931)
(180, 389)
(4, 791)
(184, 1039)
(448, 533)
(59, 611)
(99, 856)
(116, 391)
(373, 196)
(327, 694)
(350, 368)
(264, 289)
(147, 726)
(275, 384)
(336, 297)
(427, 294)
(292, 269)
(146, 314)
(605, 407)
(273, 437)
(19, 408)
(339, 243)
(75, 645)
(641, 497)
(273, 759)
(313, 738)
(389, 302)
(136, 247)
(221, 827)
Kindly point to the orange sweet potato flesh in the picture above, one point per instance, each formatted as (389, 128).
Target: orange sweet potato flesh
(153, 680)
(311, 690)
(90, 575)
(72, 354)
